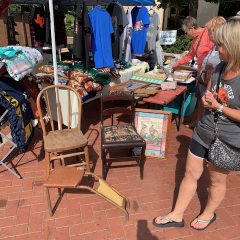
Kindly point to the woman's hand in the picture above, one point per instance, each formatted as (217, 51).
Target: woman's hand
(209, 100)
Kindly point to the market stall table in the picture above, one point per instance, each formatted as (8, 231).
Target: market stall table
(165, 97)
(126, 74)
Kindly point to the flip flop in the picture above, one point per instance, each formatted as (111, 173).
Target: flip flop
(209, 222)
(169, 223)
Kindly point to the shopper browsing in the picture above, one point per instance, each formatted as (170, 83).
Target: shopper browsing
(228, 110)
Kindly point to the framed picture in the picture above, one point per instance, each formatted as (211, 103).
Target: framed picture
(129, 86)
(153, 126)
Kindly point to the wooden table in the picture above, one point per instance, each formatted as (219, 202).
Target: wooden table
(165, 97)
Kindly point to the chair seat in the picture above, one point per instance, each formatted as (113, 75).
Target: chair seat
(118, 134)
(63, 140)
(64, 177)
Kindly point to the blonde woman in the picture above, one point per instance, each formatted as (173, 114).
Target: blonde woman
(227, 42)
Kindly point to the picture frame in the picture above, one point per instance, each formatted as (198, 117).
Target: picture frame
(153, 125)
(128, 86)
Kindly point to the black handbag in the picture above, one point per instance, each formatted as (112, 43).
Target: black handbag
(220, 153)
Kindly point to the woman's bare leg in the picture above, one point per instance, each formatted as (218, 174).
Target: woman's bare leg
(194, 169)
(216, 194)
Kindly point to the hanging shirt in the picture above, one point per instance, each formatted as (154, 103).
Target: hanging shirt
(81, 33)
(101, 29)
(119, 20)
(38, 23)
(152, 32)
(48, 27)
(141, 21)
(60, 28)
(128, 37)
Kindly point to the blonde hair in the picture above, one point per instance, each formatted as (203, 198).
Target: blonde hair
(228, 35)
(215, 23)
(189, 22)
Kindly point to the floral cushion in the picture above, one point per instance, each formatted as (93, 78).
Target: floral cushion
(120, 133)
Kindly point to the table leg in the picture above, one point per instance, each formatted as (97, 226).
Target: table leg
(181, 108)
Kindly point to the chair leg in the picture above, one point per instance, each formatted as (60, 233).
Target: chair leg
(86, 150)
(142, 162)
(47, 159)
(49, 202)
(59, 192)
(104, 165)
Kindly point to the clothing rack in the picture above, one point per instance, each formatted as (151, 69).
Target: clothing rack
(88, 2)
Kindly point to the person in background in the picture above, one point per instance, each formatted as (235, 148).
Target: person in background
(226, 39)
(210, 61)
(201, 44)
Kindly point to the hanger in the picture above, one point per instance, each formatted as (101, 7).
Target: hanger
(151, 10)
(99, 4)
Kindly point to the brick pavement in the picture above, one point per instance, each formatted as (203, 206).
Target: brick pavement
(85, 216)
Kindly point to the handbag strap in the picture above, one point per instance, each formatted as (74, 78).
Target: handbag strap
(216, 114)
(198, 44)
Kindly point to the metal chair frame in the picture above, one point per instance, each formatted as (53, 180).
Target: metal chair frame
(14, 146)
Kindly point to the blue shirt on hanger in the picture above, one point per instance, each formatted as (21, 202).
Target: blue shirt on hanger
(101, 29)
(140, 21)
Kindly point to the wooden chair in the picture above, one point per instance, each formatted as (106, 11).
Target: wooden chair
(65, 138)
(64, 177)
(117, 137)
(58, 141)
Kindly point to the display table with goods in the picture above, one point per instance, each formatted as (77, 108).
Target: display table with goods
(86, 81)
(154, 94)
(165, 97)
(137, 67)
(185, 75)
(172, 91)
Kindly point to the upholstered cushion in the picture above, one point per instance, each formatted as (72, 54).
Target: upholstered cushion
(120, 133)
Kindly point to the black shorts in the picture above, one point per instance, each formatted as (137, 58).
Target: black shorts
(198, 150)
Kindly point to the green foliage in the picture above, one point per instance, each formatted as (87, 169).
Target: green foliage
(182, 44)
(179, 3)
(15, 8)
(69, 24)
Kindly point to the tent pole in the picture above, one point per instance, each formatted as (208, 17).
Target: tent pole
(54, 55)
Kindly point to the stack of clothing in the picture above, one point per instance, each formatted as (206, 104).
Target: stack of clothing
(19, 61)
(85, 80)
